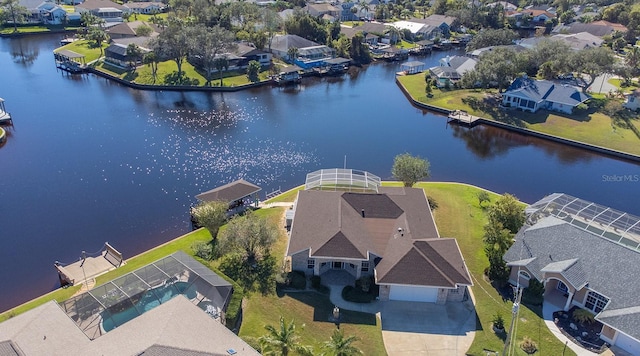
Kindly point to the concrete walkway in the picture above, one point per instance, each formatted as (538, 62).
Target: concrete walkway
(414, 328)
(547, 314)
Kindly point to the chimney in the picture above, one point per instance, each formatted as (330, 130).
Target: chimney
(362, 213)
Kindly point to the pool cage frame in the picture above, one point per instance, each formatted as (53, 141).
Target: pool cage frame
(137, 292)
(611, 224)
(342, 179)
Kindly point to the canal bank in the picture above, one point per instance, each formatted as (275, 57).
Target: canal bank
(524, 131)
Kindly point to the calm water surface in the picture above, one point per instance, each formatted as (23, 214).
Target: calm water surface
(89, 161)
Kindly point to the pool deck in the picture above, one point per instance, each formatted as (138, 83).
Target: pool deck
(88, 269)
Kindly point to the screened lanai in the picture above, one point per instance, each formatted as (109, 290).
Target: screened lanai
(612, 224)
(342, 179)
(112, 304)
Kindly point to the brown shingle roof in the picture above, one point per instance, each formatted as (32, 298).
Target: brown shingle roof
(230, 192)
(330, 224)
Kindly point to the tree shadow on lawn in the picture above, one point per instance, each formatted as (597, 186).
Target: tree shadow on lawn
(323, 309)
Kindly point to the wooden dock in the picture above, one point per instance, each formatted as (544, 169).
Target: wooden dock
(462, 117)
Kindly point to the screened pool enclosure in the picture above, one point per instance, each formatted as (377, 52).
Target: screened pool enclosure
(612, 224)
(112, 304)
(342, 179)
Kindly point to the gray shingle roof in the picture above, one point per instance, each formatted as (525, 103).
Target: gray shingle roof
(230, 192)
(608, 268)
(397, 226)
(284, 42)
(544, 90)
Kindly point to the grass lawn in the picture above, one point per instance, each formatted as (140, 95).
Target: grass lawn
(25, 29)
(459, 215)
(182, 243)
(86, 48)
(147, 18)
(143, 74)
(593, 128)
(405, 44)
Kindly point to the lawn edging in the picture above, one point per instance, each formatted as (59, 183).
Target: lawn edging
(176, 87)
(494, 123)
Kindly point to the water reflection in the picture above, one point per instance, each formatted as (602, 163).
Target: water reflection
(24, 53)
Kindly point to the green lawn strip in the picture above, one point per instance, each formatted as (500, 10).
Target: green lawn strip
(25, 29)
(405, 44)
(287, 197)
(595, 129)
(57, 295)
(311, 309)
(86, 48)
(459, 215)
(147, 17)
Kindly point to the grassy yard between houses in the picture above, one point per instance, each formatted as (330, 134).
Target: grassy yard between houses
(86, 48)
(595, 128)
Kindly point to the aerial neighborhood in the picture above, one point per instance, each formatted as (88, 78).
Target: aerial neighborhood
(348, 262)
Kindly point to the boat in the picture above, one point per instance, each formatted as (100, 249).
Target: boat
(5, 118)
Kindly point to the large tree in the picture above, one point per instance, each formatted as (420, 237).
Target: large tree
(509, 212)
(250, 235)
(207, 46)
(283, 341)
(210, 215)
(410, 169)
(173, 44)
(499, 66)
(491, 37)
(591, 63)
(14, 12)
(339, 345)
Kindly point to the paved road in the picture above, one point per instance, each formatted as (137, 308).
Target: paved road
(601, 85)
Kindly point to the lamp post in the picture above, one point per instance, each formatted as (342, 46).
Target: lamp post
(336, 316)
(84, 258)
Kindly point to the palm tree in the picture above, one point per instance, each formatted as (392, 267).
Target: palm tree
(365, 8)
(221, 63)
(338, 345)
(292, 53)
(394, 34)
(633, 57)
(282, 341)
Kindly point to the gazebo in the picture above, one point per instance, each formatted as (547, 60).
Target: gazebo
(412, 67)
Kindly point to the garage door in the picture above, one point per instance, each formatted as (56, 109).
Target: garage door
(628, 344)
(414, 294)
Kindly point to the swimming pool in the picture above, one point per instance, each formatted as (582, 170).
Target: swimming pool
(151, 299)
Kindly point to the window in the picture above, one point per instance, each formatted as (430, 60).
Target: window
(365, 266)
(595, 302)
(311, 264)
(524, 275)
(562, 287)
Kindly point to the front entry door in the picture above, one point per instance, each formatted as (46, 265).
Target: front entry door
(337, 265)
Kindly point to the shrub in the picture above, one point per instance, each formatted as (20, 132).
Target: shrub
(583, 316)
(432, 203)
(534, 294)
(498, 321)
(315, 282)
(356, 295)
(203, 250)
(529, 346)
(297, 280)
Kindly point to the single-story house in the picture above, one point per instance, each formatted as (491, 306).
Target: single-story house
(183, 316)
(532, 95)
(369, 38)
(419, 30)
(250, 53)
(320, 9)
(310, 54)
(146, 7)
(597, 28)
(444, 23)
(451, 69)
(116, 53)
(632, 100)
(107, 10)
(129, 29)
(586, 256)
(389, 234)
(577, 41)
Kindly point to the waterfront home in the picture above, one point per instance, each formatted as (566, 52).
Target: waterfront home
(45, 12)
(345, 221)
(248, 52)
(116, 53)
(632, 100)
(587, 256)
(370, 38)
(107, 10)
(444, 25)
(309, 53)
(165, 308)
(451, 69)
(576, 41)
(532, 95)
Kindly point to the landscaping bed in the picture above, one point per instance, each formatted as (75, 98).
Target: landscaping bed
(585, 334)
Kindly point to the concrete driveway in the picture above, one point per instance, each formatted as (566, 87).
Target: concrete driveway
(413, 328)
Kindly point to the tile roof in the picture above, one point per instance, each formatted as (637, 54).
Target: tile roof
(230, 192)
(608, 268)
(397, 226)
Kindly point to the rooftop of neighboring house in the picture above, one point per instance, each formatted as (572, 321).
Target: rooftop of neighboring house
(597, 28)
(284, 42)
(143, 4)
(129, 28)
(100, 4)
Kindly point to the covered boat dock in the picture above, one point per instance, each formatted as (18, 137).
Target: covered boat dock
(239, 194)
(69, 61)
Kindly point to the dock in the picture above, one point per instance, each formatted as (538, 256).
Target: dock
(462, 117)
(69, 61)
(89, 266)
(5, 117)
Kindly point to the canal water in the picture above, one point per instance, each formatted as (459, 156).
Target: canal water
(90, 161)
